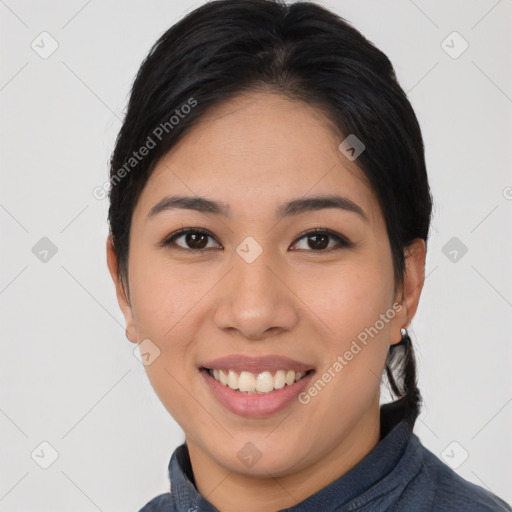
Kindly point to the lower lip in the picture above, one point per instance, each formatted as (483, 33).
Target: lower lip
(256, 406)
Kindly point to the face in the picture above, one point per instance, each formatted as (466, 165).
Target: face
(272, 304)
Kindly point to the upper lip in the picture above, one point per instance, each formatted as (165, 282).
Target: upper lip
(256, 364)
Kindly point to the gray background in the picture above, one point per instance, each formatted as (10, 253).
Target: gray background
(69, 376)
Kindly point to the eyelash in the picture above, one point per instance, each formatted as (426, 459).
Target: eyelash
(342, 242)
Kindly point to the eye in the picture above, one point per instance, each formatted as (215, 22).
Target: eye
(193, 239)
(196, 239)
(320, 240)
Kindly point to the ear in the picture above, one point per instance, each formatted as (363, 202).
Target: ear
(408, 296)
(122, 299)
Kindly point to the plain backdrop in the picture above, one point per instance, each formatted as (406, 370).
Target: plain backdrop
(69, 377)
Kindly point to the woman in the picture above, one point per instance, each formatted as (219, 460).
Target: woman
(269, 213)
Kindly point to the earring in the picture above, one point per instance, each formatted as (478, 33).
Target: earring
(405, 338)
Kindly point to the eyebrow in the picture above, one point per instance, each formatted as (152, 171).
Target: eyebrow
(294, 207)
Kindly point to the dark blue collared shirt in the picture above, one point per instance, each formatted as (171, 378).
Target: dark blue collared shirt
(398, 475)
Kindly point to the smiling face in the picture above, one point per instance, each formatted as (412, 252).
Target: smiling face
(271, 280)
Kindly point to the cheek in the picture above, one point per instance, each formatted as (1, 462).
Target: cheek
(354, 306)
(351, 299)
(165, 307)
(164, 294)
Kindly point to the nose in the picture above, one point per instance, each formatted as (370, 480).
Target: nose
(256, 301)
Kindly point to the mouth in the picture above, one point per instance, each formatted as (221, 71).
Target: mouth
(256, 386)
(260, 383)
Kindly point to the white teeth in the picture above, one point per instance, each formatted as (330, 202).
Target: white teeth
(232, 379)
(279, 379)
(261, 383)
(222, 377)
(264, 382)
(246, 382)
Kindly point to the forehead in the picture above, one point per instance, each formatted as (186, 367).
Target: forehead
(257, 151)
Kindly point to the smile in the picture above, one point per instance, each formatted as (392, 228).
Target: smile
(256, 386)
(261, 383)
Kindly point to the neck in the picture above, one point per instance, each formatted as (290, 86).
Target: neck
(229, 491)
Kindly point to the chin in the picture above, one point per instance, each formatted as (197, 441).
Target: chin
(262, 457)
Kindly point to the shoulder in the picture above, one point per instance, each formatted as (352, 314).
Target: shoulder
(162, 503)
(448, 491)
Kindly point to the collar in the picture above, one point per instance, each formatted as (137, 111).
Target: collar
(380, 476)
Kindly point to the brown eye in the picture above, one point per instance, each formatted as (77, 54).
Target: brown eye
(317, 242)
(320, 240)
(196, 240)
(192, 239)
